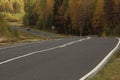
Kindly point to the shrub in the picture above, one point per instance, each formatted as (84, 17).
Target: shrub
(11, 18)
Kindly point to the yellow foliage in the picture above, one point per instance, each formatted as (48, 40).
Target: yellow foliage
(98, 14)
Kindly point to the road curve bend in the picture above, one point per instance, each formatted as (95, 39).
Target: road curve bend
(64, 59)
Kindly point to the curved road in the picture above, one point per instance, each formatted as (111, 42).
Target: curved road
(36, 32)
(62, 59)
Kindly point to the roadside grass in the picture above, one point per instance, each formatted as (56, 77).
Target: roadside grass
(20, 37)
(111, 71)
(10, 36)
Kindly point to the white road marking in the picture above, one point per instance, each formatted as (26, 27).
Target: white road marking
(101, 64)
(18, 45)
(36, 52)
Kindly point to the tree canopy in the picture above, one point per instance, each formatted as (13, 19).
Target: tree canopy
(79, 17)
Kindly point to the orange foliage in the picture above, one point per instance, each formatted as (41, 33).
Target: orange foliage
(98, 14)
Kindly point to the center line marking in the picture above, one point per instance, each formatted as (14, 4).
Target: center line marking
(36, 52)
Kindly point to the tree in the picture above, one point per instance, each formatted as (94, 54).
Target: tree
(29, 19)
(16, 7)
(56, 15)
(79, 17)
(109, 10)
(9, 7)
(40, 10)
(98, 19)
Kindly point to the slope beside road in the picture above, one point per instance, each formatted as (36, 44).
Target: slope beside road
(63, 59)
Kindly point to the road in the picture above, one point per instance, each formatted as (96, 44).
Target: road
(36, 32)
(62, 59)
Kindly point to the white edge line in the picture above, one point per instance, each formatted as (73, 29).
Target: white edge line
(23, 44)
(101, 64)
(36, 52)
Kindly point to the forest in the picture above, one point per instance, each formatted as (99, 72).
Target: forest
(78, 17)
(10, 11)
(11, 6)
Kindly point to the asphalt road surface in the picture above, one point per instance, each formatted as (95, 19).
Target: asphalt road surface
(62, 59)
(35, 32)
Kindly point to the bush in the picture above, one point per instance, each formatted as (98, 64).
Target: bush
(12, 19)
(114, 31)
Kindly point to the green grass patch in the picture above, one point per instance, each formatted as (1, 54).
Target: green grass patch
(111, 71)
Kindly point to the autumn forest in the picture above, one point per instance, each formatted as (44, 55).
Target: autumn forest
(78, 17)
